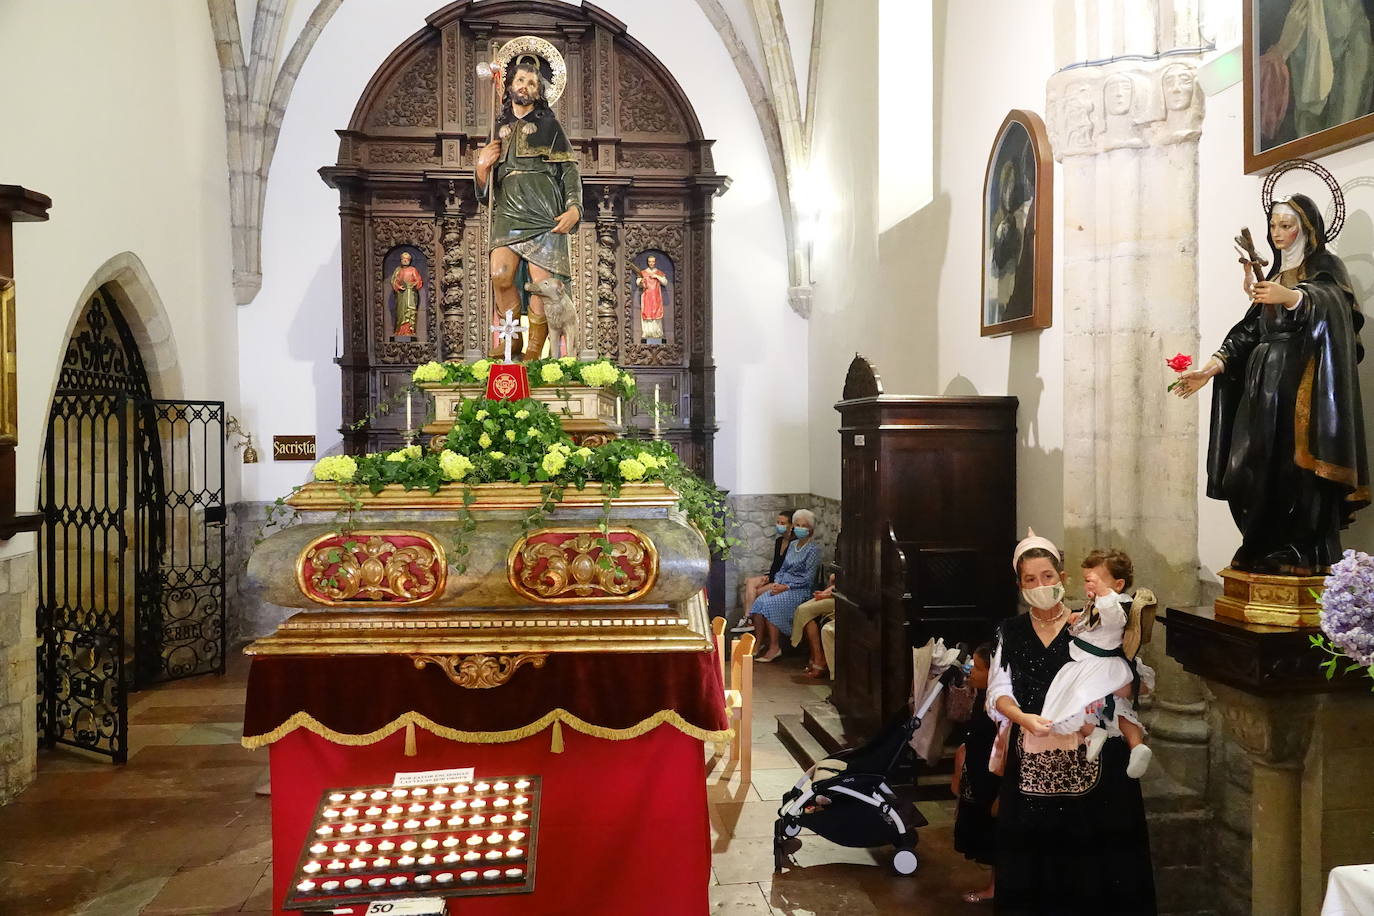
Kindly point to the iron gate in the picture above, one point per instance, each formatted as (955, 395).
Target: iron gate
(132, 496)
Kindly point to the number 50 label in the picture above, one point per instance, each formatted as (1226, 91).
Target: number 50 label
(411, 906)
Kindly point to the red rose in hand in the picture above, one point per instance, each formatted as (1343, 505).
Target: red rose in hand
(1179, 362)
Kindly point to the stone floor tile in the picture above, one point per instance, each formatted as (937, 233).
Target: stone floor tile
(771, 785)
(191, 714)
(743, 820)
(124, 890)
(744, 861)
(820, 891)
(213, 733)
(206, 889)
(260, 900)
(739, 900)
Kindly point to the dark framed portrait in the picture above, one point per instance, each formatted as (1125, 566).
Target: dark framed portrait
(405, 283)
(1309, 78)
(1018, 231)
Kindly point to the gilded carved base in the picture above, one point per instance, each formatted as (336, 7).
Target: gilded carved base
(1281, 601)
(481, 671)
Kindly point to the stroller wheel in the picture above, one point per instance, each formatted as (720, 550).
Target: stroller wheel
(904, 861)
(791, 828)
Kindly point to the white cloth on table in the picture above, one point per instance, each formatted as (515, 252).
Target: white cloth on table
(1350, 891)
(1089, 677)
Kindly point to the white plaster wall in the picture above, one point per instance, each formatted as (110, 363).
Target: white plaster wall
(119, 120)
(290, 384)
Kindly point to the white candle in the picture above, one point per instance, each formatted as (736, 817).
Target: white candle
(408, 424)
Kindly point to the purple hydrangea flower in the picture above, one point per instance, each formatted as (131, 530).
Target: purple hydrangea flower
(1347, 615)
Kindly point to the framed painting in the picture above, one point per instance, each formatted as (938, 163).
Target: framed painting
(1309, 78)
(1018, 229)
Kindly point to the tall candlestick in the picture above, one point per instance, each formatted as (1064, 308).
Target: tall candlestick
(656, 421)
(409, 427)
(617, 411)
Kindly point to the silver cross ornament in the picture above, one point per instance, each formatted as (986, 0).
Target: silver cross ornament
(507, 330)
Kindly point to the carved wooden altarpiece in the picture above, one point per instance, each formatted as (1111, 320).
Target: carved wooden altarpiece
(404, 177)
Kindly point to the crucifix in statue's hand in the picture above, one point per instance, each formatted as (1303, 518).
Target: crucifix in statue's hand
(507, 330)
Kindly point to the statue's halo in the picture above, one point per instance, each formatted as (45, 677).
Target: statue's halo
(1337, 220)
(533, 44)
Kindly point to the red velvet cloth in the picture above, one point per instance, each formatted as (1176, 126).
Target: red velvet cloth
(357, 695)
(623, 825)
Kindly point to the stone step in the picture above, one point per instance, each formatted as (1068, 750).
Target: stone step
(1184, 890)
(799, 741)
(823, 723)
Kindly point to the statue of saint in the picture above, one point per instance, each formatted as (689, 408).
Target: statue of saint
(406, 283)
(651, 281)
(1287, 446)
(538, 190)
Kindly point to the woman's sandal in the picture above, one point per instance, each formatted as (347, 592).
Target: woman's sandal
(817, 671)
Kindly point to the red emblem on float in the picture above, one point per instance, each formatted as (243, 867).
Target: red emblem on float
(508, 382)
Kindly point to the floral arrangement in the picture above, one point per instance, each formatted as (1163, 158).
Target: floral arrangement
(561, 372)
(523, 442)
(1180, 363)
(1347, 617)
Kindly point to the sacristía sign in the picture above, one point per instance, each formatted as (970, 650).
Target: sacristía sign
(293, 448)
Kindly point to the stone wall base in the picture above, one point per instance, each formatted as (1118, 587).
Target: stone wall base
(18, 675)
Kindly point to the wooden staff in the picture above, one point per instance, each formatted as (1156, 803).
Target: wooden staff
(492, 73)
(1245, 244)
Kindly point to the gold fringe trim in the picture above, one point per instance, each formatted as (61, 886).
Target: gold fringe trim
(555, 718)
(1302, 420)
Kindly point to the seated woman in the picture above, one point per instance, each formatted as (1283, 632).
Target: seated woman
(754, 585)
(772, 611)
(807, 622)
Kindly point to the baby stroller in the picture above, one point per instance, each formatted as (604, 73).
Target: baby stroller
(846, 798)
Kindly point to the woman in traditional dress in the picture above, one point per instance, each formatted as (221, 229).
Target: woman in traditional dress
(1287, 447)
(1071, 834)
(773, 610)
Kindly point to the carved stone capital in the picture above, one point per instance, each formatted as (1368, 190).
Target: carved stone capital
(1092, 110)
(799, 298)
(481, 672)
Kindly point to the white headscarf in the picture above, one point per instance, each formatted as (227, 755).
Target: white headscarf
(1294, 254)
(1030, 541)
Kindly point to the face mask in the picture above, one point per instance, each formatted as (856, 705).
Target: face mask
(801, 533)
(780, 529)
(1043, 597)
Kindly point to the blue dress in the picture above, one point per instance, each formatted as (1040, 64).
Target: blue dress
(798, 573)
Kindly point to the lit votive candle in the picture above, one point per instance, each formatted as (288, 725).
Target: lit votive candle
(394, 809)
(500, 786)
(444, 877)
(429, 843)
(476, 820)
(500, 803)
(498, 819)
(349, 828)
(478, 803)
(515, 852)
(515, 874)
(494, 856)
(420, 792)
(376, 882)
(411, 824)
(416, 808)
(468, 877)
(337, 797)
(482, 787)
(474, 840)
(364, 846)
(331, 813)
(357, 796)
(405, 861)
(374, 811)
(450, 842)
(462, 788)
(305, 886)
(319, 848)
(410, 846)
(437, 806)
(522, 784)
(432, 822)
(426, 860)
(357, 864)
(390, 824)
(383, 862)
(451, 858)
(310, 867)
(350, 812)
(494, 838)
(378, 795)
(517, 835)
(399, 793)
(521, 816)
(386, 845)
(520, 801)
(330, 886)
(336, 865)
(326, 830)
(353, 883)
(491, 874)
(471, 855)
(455, 821)
(422, 880)
(399, 881)
(458, 805)
(367, 828)
(341, 847)
(441, 790)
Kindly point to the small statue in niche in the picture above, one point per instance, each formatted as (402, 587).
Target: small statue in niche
(407, 285)
(1287, 443)
(652, 282)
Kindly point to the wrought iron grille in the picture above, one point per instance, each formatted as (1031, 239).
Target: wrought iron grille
(132, 495)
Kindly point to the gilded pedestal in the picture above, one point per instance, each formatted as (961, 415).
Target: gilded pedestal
(590, 415)
(1281, 601)
(459, 573)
